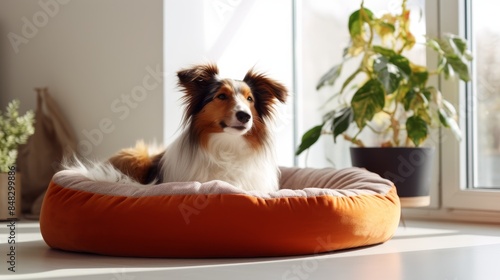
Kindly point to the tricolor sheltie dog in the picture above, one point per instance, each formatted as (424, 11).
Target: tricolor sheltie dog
(226, 136)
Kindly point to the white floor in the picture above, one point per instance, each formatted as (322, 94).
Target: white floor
(421, 250)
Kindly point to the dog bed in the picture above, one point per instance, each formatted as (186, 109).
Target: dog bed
(315, 211)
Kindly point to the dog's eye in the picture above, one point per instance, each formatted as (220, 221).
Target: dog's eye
(249, 99)
(222, 96)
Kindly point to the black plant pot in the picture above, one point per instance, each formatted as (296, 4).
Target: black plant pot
(410, 169)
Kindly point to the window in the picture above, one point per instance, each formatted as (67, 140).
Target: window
(471, 168)
(483, 139)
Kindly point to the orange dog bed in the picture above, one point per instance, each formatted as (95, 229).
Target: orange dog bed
(315, 210)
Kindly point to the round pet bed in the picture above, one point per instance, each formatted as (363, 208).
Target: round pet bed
(315, 211)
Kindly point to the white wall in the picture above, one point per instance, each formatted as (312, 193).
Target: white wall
(323, 36)
(101, 59)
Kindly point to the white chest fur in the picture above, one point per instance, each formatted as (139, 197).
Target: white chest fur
(228, 158)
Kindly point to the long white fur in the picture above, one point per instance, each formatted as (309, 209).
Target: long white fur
(105, 171)
(97, 171)
(228, 158)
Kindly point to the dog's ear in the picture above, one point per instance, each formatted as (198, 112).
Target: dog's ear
(265, 91)
(197, 76)
(197, 82)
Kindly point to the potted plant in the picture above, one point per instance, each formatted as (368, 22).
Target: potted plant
(14, 130)
(388, 95)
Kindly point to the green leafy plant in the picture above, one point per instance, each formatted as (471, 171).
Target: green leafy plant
(393, 98)
(14, 130)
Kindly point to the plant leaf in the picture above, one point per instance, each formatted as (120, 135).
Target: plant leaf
(448, 70)
(449, 122)
(355, 24)
(427, 92)
(356, 21)
(459, 67)
(459, 43)
(421, 109)
(341, 122)
(449, 108)
(384, 51)
(446, 112)
(454, 57)
(423, 113)
(416, 129)
(367, 101)
(402, 63)
(448, 115)
(468, 55)
(445, 47)
(434, 45)
(329, 77)
(15, 129)
(419, 79)
(384, 29)
(387, 73)
(408, 99)
(442, 65)
(309, 138)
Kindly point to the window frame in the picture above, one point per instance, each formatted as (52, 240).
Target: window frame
(454, 154)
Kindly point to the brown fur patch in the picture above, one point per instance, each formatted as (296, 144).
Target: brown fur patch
(134, 162)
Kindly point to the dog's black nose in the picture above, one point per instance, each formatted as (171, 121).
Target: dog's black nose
(242, 116)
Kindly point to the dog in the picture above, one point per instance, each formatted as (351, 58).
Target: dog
(226, 135)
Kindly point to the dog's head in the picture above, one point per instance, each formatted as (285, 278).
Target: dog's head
(216, 105)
